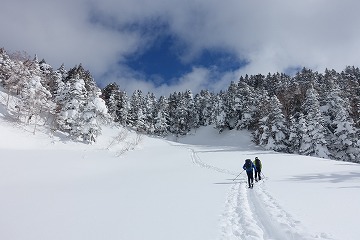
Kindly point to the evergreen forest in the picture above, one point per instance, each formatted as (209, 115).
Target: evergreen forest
(310, 113)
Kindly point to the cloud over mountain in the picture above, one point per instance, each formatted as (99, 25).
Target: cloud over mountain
(270, 36)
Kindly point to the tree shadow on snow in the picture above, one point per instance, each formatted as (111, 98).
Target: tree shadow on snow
(332, 178)
(349, 187)
(348, 164)
(230, 182)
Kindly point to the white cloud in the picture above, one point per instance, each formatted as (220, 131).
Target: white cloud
(271, 35)
(195, 80)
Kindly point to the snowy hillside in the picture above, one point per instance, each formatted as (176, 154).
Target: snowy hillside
(132, 187)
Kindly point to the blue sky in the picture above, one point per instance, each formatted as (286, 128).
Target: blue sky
(162, 61)
(164, 46)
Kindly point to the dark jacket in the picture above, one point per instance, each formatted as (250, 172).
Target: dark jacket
(258, 165)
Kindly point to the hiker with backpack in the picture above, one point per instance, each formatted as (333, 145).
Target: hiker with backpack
(248, 167)
(258, 167)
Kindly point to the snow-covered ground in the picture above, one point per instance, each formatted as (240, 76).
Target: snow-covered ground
(131, 187)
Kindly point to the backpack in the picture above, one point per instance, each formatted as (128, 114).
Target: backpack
(248, 164)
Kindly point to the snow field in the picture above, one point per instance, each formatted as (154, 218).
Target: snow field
(132, 187)
(254, 213)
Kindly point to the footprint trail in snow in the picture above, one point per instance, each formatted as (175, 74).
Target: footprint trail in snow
(253, 214)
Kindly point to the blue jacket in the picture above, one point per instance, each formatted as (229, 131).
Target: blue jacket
(251, 168)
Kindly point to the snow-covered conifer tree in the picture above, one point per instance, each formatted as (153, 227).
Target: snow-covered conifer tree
(350, 77)
(71, 104)
(314, 139)
(220, 114)
(111, 96)
(137, 117)
(261, 117)
(294, 134)
(123, 108)
(11, 72)
(174, 116)
(232, 106)
(6, 66)
(161, 117)
(187, 106)
(204, 108)
(93, 115)
(182, 113)
(343, 143)
(247, 106)
(150, 103)
(80, 108)
(276, 127)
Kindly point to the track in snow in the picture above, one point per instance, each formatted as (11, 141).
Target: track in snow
(253, 214)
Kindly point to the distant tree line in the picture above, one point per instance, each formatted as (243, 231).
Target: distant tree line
(310, 113)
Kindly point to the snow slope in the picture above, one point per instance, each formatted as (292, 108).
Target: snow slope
(132, 187)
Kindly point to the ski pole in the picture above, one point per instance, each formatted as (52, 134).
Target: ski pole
(263, 174)
(238, 175)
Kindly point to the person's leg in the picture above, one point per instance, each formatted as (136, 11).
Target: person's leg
(252, 179)
(259, 174)
(249, 178)
(256, 176)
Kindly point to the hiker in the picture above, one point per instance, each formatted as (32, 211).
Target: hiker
(248, 167)
(258, 167)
